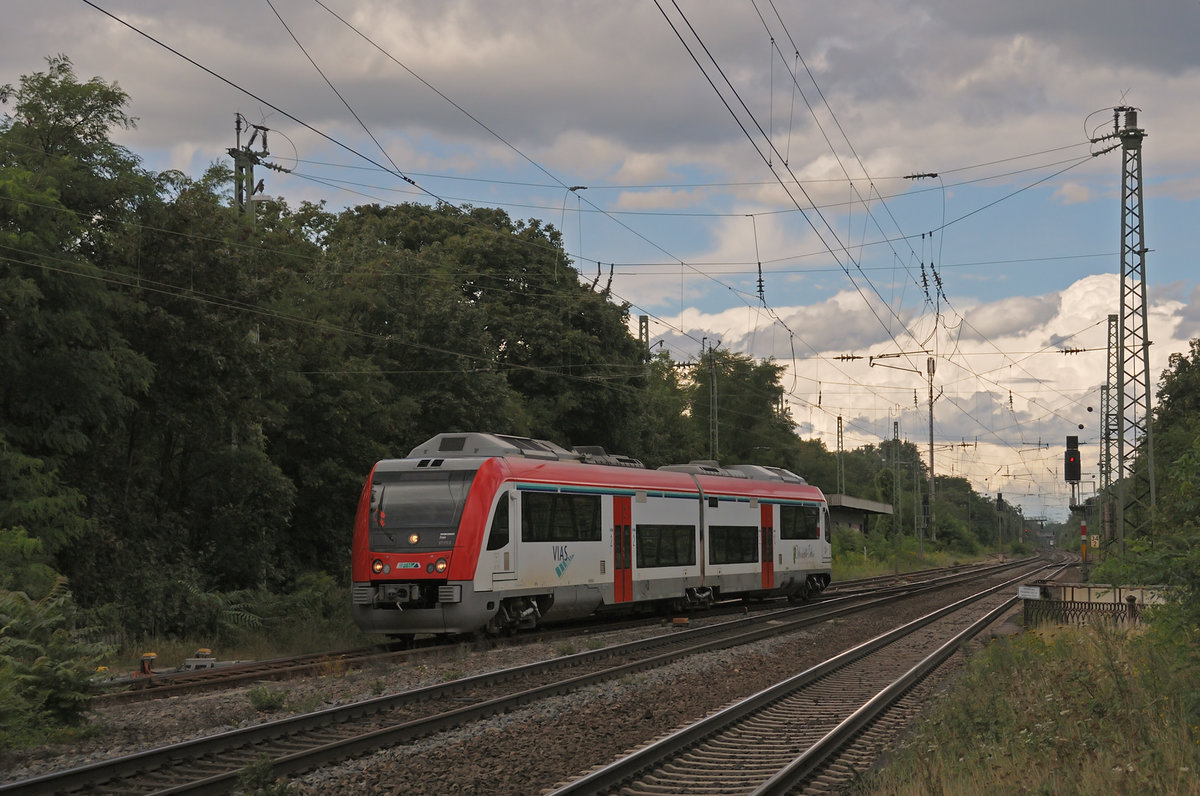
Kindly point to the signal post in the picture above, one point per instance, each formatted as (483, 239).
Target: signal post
(1072, 474)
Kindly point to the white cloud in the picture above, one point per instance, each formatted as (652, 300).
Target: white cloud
(1073, 193)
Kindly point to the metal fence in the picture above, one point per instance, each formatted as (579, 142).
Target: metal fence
(1081, 612)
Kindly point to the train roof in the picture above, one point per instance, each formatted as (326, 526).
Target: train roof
(543, 461)
(756, 472)
(673, 481)
(474, 443)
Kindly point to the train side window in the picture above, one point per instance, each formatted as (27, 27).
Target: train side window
(732, 544)
(799, 522)
(498, 536)
(666, 546)
(560, 518)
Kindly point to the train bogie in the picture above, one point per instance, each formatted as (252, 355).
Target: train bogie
(484, 532)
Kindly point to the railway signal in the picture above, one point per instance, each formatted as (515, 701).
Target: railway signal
(1072, 471)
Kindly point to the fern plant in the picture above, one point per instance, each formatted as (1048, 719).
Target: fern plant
(44, 666)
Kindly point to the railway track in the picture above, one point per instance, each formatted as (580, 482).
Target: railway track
(300, 743)
(788, 738)
(168, 684)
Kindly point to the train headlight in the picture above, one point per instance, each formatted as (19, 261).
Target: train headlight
(377, 566)
(413, 538)
(440, 565)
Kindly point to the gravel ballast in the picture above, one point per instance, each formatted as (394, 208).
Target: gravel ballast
(526, 751)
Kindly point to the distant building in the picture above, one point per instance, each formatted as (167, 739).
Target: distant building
(852, 512)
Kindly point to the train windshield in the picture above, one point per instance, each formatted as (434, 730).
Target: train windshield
(417, 511)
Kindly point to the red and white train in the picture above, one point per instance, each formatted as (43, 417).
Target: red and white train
(485, 532)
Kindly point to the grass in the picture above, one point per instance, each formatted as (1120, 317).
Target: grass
(37, 734)
(849, 565)
(1058, 711)
(259, 779)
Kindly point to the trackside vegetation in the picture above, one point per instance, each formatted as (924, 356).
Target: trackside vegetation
(1057, 711)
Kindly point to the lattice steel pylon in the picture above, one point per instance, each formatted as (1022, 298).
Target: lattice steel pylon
(841, 468)
(1135, 451)
(1108, 434)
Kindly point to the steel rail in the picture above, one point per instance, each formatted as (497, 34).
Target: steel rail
(691, 641)
(623, 771)
(162, 685)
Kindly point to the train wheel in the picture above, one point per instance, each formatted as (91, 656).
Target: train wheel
(499, 625)
(401, 641)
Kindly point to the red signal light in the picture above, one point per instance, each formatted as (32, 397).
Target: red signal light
(1071, 465)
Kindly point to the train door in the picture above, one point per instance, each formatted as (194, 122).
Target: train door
(500, 542)
(622, 549)
(826, 531)
(767, 531)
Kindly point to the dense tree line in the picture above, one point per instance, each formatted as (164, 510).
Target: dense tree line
(192, 398)
(1170, 553)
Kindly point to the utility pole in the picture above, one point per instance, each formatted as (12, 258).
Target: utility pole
(245, 158)
(1133, 385)
(710, 353)
(999, 524)
(1135, 485)
(916, 465)
(841, 469)
(930, 366)
(896, 490)
(1108, 437)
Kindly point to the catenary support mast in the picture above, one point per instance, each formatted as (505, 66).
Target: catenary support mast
(1135, 451)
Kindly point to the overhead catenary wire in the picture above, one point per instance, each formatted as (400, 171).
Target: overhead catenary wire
(461, 109)
(941, 265)
(304, 124)
(828, 229)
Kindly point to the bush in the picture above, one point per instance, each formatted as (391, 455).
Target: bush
(22, 565)
(266, 700)
(955, 537)
(848, 543)
(45, 670)
(245, 625)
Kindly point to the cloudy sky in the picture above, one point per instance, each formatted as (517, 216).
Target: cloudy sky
(906, 181)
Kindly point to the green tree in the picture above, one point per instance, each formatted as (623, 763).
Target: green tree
(39, 517)
(1176, 421)
(663, 430)
(1171, 553)
(957, 514)
(564, 346)
(753, 423)
(510, 338)
(67, 194)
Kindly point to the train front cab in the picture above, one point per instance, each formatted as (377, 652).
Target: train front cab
(416, 543)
